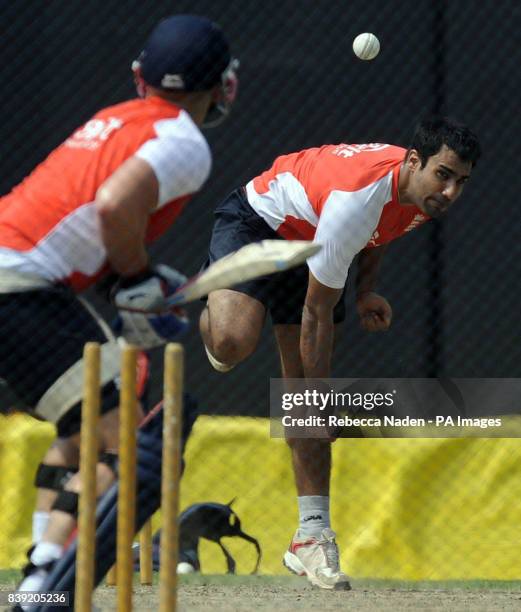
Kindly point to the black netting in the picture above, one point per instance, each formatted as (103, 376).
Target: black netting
(453, 284)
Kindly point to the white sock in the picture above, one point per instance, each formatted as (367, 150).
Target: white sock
(314, 514)
(46, 551)
(40, 521)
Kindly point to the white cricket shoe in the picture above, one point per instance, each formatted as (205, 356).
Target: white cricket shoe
(317, 558)
(217, 365)
(31, 582)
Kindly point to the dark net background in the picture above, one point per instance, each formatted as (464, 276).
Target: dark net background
(454, 285)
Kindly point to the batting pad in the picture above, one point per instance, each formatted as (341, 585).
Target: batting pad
(67, 391)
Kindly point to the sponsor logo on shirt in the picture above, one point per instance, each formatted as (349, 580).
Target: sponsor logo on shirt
(94, 133)
(345, 150)
(418, 220)
(374, 238)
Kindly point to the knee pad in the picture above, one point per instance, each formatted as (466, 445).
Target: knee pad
(148, 494)
(67, 501)
(53, 476)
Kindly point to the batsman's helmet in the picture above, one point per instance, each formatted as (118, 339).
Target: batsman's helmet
(187, 53)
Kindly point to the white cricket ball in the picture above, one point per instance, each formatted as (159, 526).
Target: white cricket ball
(366, 46)
(185, 568)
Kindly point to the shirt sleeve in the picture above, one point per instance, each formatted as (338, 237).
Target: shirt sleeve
(179, 156)
(346, 225)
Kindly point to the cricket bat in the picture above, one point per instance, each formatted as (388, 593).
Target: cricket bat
(249, 262)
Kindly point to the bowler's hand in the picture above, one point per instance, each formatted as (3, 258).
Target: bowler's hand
(374, 311)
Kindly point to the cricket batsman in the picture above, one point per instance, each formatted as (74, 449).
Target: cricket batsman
(88, 210)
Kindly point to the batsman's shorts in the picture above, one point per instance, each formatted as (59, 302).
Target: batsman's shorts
(283, 294)
(43, 334)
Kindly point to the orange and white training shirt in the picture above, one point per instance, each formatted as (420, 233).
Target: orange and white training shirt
(344, 197)
(48, 223)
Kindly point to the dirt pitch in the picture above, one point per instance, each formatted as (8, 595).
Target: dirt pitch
(277, 593)
(245, 593)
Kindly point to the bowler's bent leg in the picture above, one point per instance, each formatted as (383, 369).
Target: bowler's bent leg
(231, 325)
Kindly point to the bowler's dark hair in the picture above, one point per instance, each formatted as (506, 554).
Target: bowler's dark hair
(432, 133)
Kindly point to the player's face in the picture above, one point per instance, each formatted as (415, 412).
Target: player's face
(437, 185)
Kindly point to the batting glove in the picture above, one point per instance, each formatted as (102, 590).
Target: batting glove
(148, 292)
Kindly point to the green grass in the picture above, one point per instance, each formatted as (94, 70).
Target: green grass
(8, 578)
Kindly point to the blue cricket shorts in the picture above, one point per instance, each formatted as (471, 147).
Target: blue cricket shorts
(283, 294)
